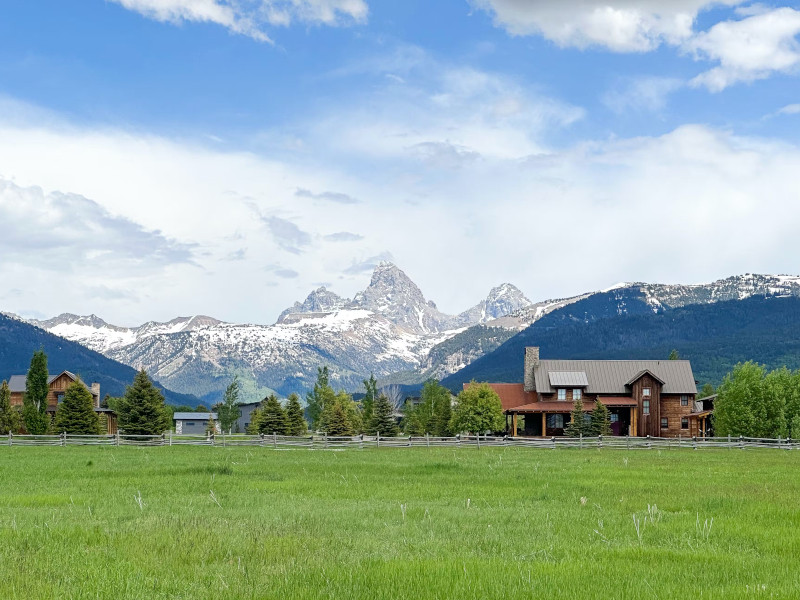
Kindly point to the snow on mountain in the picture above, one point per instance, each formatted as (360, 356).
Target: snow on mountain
(388, 329)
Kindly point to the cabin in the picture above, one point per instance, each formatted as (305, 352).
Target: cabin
(194, 423)
(644, 397)
(57, 387)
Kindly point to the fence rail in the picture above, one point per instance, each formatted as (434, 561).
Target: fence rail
(325, 442)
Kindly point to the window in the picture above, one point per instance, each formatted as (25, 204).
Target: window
(562, 394)
(555, 421)
(664, 423)
(645, 391)
(189, 423)
(576, 394)
(684, 400)
(614, 417)
(685, 423)
(646, 407)
(59, 398)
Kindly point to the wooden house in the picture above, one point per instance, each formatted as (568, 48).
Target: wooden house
(644, 397)
(58, 384)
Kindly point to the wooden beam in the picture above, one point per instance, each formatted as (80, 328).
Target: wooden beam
(514, 425)
(544, 424)
(635, 421)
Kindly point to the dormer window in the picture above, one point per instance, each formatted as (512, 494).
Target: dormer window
(646, 391)
(562, 394)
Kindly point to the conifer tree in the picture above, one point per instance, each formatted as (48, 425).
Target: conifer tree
(319, 397)
(211, 425)
(337, 423)
(368, 403)
(254, 427)
(273, 417)
(75, 414)
(412, 425)
(9, 417)
(601, 420)
(383, 421)
(228, 410)
(443, 414)
(577, 425)
(296, 423)
(34, 402)
(673, 355)
(142, 410)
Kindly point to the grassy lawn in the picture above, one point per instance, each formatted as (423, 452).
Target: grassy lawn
(398, 523)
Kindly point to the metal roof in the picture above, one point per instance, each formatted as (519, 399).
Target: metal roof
(568, 379)
(611, 376)
(194, 416)
(19, 383)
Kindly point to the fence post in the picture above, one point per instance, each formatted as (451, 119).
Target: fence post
(600, 441)
(741, 442)
(729, 440)
(553, 439)
(479, 441)
(63, 438)
(275, 440)
(427, 439)
(580, 441)
(325, 438)
(458, 440)
(694, 442)
(649, 445)
(10, 437)
(628, 441)
(378, 440)
(170, 437)
(116, 438)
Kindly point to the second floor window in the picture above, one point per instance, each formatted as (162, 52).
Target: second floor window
(646, 407)
(684, 400)
(646, 392)
(562, 394)
(576, 394)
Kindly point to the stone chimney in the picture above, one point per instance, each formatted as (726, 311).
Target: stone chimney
(96, 393)
(531, 362)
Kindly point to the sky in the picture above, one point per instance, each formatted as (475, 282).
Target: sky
(225, 157)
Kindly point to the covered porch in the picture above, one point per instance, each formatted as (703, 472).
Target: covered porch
(548, 419)
(700, 424)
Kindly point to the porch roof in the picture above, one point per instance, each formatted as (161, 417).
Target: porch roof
(566, 407)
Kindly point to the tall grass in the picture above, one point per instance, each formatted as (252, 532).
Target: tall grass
(105, 522)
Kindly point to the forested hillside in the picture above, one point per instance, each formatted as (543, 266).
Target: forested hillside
(714, 337)
(18, 341)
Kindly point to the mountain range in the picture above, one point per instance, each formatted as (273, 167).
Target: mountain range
(389, 329)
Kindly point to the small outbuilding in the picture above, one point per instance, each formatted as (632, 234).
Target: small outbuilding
(195, 423)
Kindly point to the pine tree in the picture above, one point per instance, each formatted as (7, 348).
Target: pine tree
(273, 417)
(412, 425)
(443, 414)
(142, 410)
(383, 421)
(319, 396)
(9, 417)
(673, 355)
(75, 414)
(254, 427)
(211, 425)
(368, 403)
(601, 420)
(34, 402)
(337, 423)
(294, 415)
(228, 410)
(577, 425)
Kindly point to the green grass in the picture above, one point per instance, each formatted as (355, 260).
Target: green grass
(483, 523)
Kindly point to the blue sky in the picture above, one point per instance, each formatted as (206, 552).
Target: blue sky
(271, 146)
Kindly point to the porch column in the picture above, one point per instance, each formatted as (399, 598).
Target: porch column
(514, 425)
(634, 422)
(544, 424)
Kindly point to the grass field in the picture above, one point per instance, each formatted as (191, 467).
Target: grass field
(80, 522)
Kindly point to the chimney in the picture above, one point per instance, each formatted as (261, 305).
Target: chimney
(531, 362)
(96, 393)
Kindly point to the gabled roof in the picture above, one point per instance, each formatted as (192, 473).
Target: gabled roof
(194, 416)
(641, 374)
(511, 394)
(19, 383)
(613, 376)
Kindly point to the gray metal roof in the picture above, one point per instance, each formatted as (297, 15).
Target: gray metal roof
(611, 376)
(194, 416)
(19, 383)
(568, 379)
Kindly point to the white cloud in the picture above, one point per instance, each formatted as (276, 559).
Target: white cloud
(753, 48)
(248, 17)
(642, 94)
(790, 109)
(617, 25)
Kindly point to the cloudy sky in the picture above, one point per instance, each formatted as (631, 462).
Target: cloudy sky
(224, 157)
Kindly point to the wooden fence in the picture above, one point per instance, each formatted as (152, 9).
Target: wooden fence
(324, 442)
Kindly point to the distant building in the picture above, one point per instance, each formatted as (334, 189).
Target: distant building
(193, 422)
(644, 397)
(58, 384)
(245, 416)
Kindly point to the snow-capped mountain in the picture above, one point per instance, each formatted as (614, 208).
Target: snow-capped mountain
(389, 329)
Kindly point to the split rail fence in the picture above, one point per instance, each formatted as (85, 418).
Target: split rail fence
(324, 442)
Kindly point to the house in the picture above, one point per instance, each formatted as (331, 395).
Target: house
(700, 421)
(194, 423)
(644, 397)
(57, 387)
(245, 412)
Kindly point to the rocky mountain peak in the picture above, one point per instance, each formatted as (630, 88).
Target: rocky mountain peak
(502, 300)
(320, 300)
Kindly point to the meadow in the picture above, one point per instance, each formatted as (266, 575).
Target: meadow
(203, 522)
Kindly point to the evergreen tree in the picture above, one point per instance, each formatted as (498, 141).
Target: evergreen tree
(273, 417)
(142, 410)
(9, 417)
(294, 415)
(368, 403)
(321, 395)
(412, 425)
(673, 355)
(254, 427)
(708, 390)
(442, 413)
(75, 415)
(337, 423)
(383, 421)
(478, 410)
(601, 420)
(211, 425)
(34, 401)
(228, 410)
(577, 423)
